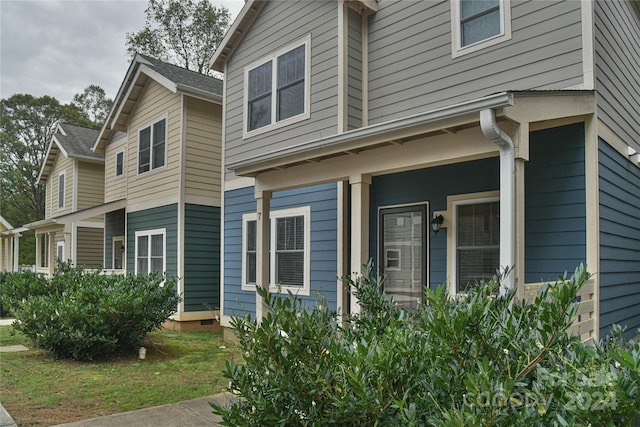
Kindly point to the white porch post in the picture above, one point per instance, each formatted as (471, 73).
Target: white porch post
(38, 251)
(263, 244)
(360, 187)
(16, 252)
(51, 255)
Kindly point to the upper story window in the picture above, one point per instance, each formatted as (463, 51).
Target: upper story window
(119, 163)
(277, 88)
(477, 24)
(477, 240)
(152, 146)
(61, 190)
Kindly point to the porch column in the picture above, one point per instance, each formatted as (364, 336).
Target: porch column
(263, 245)
(3, 253)
(16, 252)
(38, 251)
(360, 187)
(51, 255)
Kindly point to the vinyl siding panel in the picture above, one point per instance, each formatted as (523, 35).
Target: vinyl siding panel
(203, 150)
(411, 69)
(156, 218)
(267, 35)
(66, 165)
(322, 200)
(555, 203)
(155, 103)
(201, 258)
(354, 84)
(114, 226)
(90, 184)
(115, 187)
(619, 270)
(90, 247)
(617, 31)
(414, 187)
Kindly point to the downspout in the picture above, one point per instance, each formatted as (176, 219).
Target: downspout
(491, 130)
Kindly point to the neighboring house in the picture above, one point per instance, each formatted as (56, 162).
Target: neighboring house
(9, 245)
(162, 149)
(73, 177)
(351, 126)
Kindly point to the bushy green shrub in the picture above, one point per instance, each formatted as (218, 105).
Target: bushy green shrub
(86, 315)
(478, 360)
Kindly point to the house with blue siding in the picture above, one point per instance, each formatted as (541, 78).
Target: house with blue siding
(162, 191)
(444, 140)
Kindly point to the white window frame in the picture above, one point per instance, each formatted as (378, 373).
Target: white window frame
(456, 30)
(453, 203)
(275, 124)
(166, 142)
(60, 249)
(124, 252)
(62, 189)
(121, 153)
(305, 288)
(150, 233)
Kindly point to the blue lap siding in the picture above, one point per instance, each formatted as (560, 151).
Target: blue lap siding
(201, 275)
(431, 185)
(555, 203)
(150, 219)
(322, 200)
(619, 272)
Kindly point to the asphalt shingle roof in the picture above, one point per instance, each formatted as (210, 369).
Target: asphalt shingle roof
(182, 76)
(78, 141)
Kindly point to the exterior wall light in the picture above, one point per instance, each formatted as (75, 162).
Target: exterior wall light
(436, 223)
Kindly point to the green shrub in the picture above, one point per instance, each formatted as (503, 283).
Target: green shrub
(477, 360)
(86, 315)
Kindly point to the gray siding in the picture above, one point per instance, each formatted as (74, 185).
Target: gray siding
(267, 35)
(416, 187)
(113, 227)
(555, 204)
(411, 69)
(322, 200)
(151, 219)
(619, 242)
(354, 84)
(617, 44)
(201, 258)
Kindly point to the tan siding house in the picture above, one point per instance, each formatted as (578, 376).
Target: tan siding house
(73, 177)
(162, 146)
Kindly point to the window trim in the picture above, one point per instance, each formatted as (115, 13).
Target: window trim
(115, 239)
(458, 50)
(121, 153)
(60, 245)
(452, 207)
(276, 124)
(166, 142)
(274, 215)
(62, 190)
(150, 233)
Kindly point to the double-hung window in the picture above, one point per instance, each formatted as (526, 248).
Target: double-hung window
(289, 251)
(479, 23)
(61, 190)
(151, 251)
(119, 163)
(277, 88)
(477, 240)
(152, 146)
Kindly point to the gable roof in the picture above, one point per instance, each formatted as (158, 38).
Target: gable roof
(174, 78)
(245, 20)
(5, 223)
(72, 141)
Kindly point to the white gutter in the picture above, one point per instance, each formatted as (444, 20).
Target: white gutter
(507, 195)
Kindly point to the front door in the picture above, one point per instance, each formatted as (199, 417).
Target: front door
(403, 253)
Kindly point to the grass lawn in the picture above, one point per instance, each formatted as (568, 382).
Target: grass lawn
(38, 390)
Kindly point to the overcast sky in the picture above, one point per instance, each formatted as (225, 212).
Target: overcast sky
(58, 48)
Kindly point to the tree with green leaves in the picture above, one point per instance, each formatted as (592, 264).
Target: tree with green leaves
(93, 102)
(181, 32)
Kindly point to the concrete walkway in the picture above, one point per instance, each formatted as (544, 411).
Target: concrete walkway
(5, 418)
